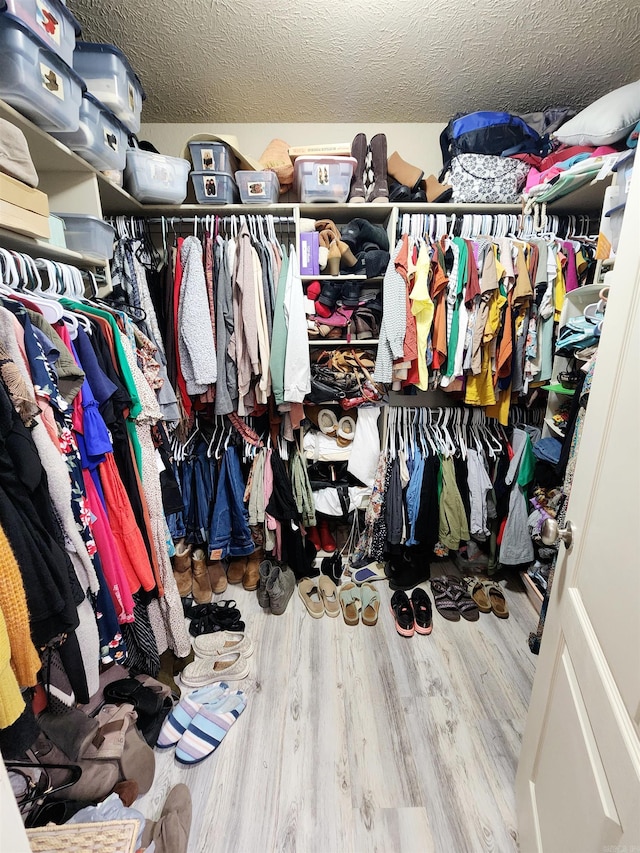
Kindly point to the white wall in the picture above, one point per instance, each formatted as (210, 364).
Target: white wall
(416, 143)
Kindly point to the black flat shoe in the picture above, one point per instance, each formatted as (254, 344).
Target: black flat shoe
(421, 604)
(402, 613)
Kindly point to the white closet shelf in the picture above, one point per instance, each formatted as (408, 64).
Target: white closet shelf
(336, 278)
(333, 342)
(41, 249)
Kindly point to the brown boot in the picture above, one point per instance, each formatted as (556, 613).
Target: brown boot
(217, 576)
(236, 570)
(380, 190)
(182, 568)
(201, 582)
(359, 152)
(251, 577)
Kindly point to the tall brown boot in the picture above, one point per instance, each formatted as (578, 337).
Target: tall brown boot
(201, 582)
(236, 570)
(217, 576)
(380, 190)
(251, 577)
(182, 568)
(359, 151)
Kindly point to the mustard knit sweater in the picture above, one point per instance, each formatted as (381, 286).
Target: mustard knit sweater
(25, 661)
(11, 701)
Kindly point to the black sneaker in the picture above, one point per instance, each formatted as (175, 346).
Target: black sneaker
(421, 604)
(402, 613)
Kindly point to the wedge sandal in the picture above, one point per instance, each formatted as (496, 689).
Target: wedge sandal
(329, 596)
(309, 592)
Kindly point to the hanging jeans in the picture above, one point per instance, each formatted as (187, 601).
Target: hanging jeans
(229, 533)
(198, 481)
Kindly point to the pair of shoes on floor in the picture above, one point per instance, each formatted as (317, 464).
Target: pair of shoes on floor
(214, 617)
(455, 597)
(246, 570)
(319, 595)
(321, 537)
(354, 600)
(227, 663)
(222, 643)
(200, 721)
(488, 596)
(412, 615)
(197, 576)
(275, 587)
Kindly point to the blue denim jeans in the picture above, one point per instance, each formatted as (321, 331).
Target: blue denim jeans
(198, 478)
(229, 533)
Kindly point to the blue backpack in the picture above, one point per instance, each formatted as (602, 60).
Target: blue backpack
(502, 134)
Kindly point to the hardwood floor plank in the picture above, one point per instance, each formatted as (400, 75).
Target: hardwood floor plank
(357, 740)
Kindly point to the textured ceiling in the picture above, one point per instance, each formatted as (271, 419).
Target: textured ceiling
(366, 60)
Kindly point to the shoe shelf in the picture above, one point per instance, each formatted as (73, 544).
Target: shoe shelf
(335, 278)
(340, 342)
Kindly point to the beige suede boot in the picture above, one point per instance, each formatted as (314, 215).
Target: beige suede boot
(236, 570)
(217, 576)
(201, 582)
(182, 568)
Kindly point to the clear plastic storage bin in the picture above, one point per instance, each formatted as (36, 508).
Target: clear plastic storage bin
(215, 188)
(50, 21)
(111, 79)
(322, 179)
(88, 235)
(258, 187)
(36, 81)
(101, 139)
(213, 157)
(156, 178)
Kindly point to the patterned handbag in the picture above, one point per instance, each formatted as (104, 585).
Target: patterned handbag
(485, 179)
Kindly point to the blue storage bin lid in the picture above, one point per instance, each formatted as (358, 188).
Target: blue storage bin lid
(114, 118)
(100, 47)
(61, 9)
(5, 16)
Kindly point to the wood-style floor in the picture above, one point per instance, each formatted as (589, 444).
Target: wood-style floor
(357, 740)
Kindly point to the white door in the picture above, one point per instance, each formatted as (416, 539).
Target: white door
(578, 782)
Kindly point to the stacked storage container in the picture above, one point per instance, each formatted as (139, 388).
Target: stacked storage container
(214, 165)
(37, 39)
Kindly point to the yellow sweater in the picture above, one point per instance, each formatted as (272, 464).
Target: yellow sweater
(11, 701)
(13, 603)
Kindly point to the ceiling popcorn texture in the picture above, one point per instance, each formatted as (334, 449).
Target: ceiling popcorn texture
(366, 60)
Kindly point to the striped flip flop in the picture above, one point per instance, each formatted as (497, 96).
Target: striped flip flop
(208, 728)
(179, 719)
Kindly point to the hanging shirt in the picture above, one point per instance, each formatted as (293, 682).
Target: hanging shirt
(422, 308)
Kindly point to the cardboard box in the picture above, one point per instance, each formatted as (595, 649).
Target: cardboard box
(309, 253)
(15, 218)
(26, 197)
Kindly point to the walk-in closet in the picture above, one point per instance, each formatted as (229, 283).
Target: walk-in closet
(319, 427)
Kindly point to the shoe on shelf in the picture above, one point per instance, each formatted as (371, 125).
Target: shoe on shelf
(422, 611)
(313, 535)
(359, 153)
(379, 193)
(402, 613)
(327, 542)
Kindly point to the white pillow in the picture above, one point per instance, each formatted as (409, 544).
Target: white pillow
(606, 120)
